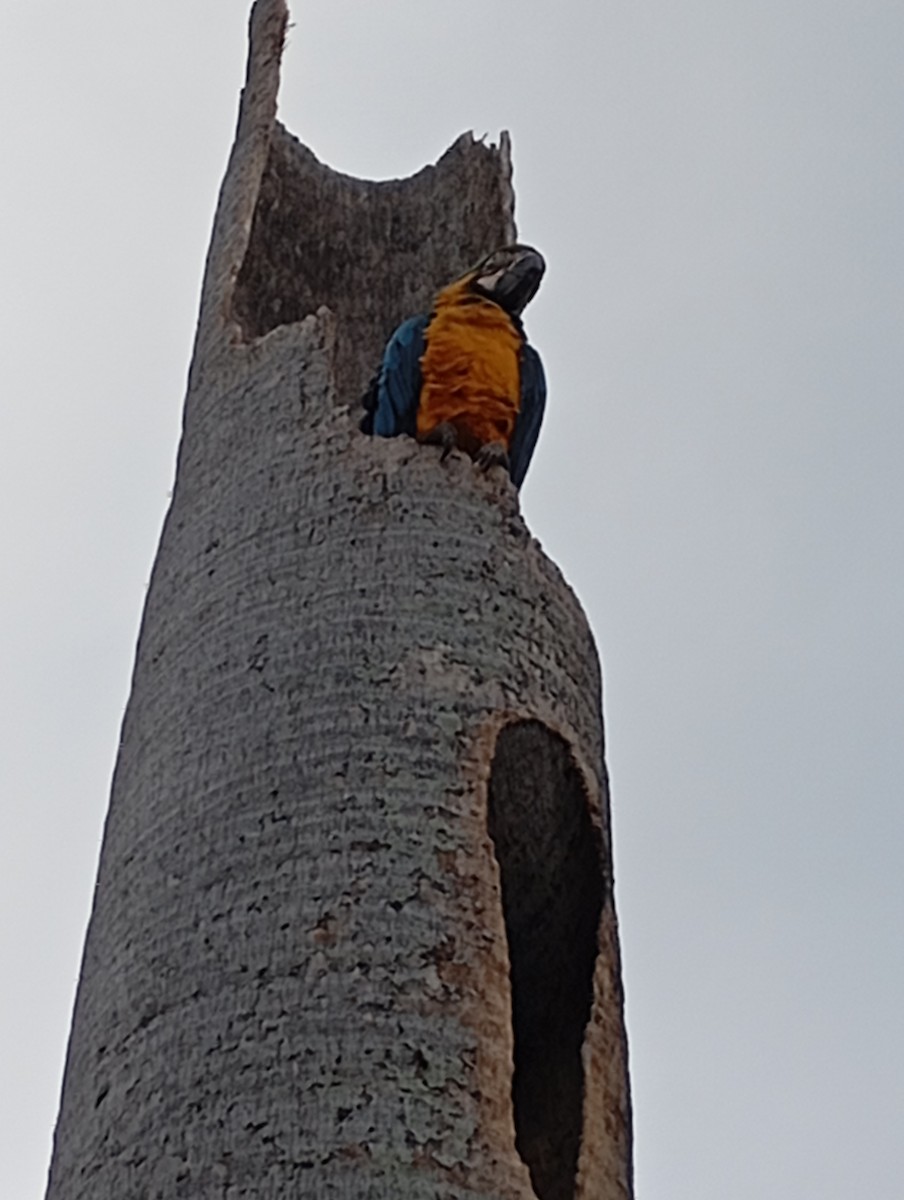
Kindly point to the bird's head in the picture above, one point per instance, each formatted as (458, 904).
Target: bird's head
(509, 276)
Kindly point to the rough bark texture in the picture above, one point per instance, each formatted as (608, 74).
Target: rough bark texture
(356, 867)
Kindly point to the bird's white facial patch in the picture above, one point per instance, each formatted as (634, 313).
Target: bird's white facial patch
(488, 282)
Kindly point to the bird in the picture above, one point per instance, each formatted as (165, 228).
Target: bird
(464, 376)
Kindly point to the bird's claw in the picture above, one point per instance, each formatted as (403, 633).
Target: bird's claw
(493, 454)
(446, 435)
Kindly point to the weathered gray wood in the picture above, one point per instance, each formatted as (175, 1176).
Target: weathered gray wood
(296, 978)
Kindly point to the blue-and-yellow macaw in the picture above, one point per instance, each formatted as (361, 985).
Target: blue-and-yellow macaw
(464, 375)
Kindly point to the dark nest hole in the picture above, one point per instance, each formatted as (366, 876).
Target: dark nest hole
(549, 855)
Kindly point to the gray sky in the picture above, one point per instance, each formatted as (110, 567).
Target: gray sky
(718, 188)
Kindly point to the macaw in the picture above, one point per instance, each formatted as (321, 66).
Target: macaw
(463, 375)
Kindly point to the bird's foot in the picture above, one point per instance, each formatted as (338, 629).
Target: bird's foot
(493, 454)
(446, 435)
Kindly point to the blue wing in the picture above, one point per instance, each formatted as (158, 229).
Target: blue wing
(398, 384)
(530, 415)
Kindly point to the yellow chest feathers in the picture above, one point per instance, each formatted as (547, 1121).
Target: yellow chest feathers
(469, 370)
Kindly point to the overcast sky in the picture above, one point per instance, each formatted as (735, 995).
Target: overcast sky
(718, 188)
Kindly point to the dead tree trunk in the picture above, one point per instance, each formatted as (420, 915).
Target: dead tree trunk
(353, 933)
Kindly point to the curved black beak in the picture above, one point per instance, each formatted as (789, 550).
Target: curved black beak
(519, 284)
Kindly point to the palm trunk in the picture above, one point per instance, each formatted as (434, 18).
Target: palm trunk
(353, 931)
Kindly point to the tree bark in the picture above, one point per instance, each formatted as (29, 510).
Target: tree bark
(353, 932)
